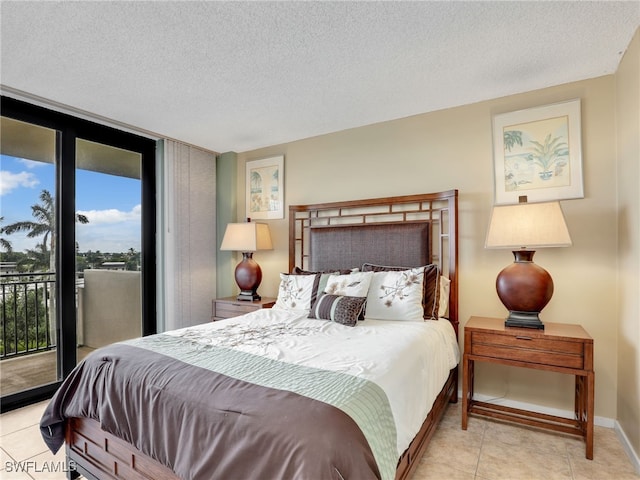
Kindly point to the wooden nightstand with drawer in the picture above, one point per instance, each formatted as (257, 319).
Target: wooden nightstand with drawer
(228, 307)
(563, 348)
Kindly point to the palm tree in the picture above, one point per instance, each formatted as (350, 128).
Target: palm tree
(4, 243)
(511, 138)
(35, 260)
(44, 224)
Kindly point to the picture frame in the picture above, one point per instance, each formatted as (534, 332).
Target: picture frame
(265, 188)
(538, 154)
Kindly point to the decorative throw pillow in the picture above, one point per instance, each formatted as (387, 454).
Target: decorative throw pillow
(335, 271)
(295, 291)
(339, 309)
(396, 295)
(352, 285)
(445, 287)
(431, 293)
(320, 282)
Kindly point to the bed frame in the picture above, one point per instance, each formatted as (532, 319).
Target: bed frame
(352, 243)
(99, 455)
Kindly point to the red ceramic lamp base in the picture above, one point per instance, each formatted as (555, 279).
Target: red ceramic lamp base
(525, 289)
(248, 278)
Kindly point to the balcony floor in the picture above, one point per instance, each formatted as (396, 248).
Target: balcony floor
(28, 371)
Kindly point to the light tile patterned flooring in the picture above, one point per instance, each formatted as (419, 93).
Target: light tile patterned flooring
(487, 450)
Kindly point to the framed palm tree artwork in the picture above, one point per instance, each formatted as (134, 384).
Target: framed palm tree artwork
(538, 154)
(265, 188)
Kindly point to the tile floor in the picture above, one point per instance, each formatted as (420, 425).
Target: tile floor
(487, 450)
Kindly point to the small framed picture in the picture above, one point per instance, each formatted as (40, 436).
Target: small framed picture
(265, 188)
(538, 154)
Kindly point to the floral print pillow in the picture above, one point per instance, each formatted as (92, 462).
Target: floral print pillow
(396, 295)
(295, 292)
(351, 285)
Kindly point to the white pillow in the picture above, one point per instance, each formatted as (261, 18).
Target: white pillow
(443, 308)
(396, 295)
(351, 285)
(295, 292)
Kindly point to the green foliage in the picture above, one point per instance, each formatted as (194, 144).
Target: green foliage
(35, 260)
(512, 138)
(4, 243)
(545, 155)
(23, 318)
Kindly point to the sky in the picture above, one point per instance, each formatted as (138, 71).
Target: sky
(111, 203)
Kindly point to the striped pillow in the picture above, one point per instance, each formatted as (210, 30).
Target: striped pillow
(338, 308)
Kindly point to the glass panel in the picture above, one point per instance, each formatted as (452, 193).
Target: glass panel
(28, 325)
(108, 244)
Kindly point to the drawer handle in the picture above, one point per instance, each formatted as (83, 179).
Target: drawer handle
(519, 337)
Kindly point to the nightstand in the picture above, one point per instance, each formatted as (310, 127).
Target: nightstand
(563, 348)
(231, 307)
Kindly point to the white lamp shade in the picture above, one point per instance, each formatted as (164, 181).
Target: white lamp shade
(527, 225)
(247, 237)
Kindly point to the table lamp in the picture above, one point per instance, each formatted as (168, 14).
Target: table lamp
(524, 287)
(247, 238)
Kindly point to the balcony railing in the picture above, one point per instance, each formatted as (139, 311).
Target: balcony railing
(26, 321)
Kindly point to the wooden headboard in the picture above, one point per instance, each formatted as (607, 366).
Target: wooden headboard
(411, 230)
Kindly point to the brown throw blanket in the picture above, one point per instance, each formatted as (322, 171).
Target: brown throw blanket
(208, 425)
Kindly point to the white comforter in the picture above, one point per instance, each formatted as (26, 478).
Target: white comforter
(410, 361)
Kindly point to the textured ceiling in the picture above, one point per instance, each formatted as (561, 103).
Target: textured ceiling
(235, 76)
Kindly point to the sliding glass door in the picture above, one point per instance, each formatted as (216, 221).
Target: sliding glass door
(28, 320)
(108, 232)
(87, 277)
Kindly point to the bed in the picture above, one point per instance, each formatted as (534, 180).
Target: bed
(346, 377)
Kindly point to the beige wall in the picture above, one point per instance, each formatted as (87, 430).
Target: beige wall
(453, 149)
(628, 144)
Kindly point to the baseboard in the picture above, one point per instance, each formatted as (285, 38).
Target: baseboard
(600, 421)
(633, 456)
